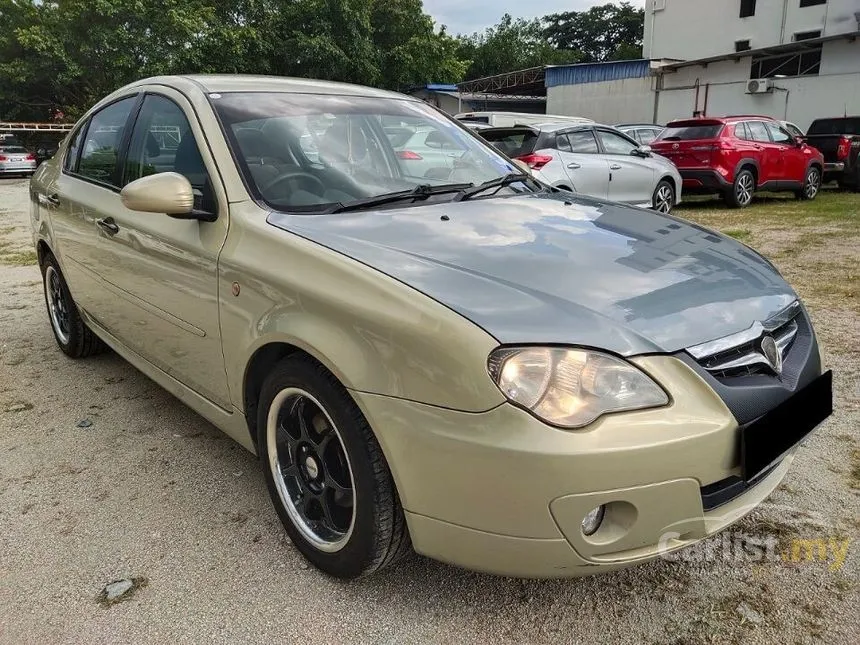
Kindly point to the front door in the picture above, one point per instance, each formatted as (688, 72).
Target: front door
(792, 158)
(161, 271)
(632, 178)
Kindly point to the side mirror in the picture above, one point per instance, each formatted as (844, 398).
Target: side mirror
(642, 151)
(799, 141)
(164, 192)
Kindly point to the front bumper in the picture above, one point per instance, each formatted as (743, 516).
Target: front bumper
(836, 166)
(502, 492)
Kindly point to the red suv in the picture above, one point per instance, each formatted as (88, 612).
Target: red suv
(737, 155)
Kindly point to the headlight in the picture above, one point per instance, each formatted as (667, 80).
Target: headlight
(572, 387)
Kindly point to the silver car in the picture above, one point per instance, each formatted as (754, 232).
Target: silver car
(15, 160)
(594, 160)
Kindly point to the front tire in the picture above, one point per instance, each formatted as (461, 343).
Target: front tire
(811, 185)
(741, 193)
(326, 473)
(73, 336)
(663, 199)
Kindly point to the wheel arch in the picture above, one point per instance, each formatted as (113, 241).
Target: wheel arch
(260, 364)
(42, 251)
(749, 164)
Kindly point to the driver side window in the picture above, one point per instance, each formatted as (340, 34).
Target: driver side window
(162, 141)
(615, 144)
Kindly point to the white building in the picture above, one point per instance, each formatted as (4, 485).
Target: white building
(806, 51)
(702, 56)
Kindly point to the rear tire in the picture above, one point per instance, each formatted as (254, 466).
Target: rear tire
(73, 336)
(741, 193)
(663, 199)
(326, 473)
(811, 185)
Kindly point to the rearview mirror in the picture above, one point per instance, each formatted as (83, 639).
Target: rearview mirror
(164, 192)
(642, 151)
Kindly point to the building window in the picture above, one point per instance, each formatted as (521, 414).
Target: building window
(811, 3)
(805, 62)
(748, 8)
(807, 35)
(742, 45)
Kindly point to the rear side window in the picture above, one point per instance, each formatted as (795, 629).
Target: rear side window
(757, 131)
(691, 132)
(835, 126)
(102, 142)
(583, 142)
(513, 143)
(70, 163)
(741, 132)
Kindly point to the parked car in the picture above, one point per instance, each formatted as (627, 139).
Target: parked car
(644, 133)
(738, 155)
(594, 160)
(838, 139)
(15, 160)
(507, 377)
(508, 119)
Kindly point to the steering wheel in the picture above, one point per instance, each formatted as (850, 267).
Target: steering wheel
(300, 175)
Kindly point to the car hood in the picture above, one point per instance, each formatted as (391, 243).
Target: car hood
(548, 269)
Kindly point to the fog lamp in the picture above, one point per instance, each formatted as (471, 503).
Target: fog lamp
(593, 519)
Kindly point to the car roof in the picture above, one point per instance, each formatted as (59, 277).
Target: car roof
(637, 125)
(225, 83)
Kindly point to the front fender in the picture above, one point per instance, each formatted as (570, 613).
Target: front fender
(375, 334)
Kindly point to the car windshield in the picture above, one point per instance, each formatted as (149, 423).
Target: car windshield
(690, 132)
(315, 152)
(835, 126)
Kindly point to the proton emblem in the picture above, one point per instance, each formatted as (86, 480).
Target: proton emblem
(675, 146)
(771, 354)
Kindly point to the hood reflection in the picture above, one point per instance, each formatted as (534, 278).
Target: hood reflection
(539, 269)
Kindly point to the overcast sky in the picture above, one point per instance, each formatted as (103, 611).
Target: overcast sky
(467, 16)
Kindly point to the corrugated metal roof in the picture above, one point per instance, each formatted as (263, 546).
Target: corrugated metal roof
(596, 72)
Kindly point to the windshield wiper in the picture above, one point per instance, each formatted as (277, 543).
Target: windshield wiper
(500, 182)
(422, 191)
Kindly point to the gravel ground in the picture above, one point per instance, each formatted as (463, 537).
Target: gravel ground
(151, 491)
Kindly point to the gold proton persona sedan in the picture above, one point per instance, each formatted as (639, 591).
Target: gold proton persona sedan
(426, 347)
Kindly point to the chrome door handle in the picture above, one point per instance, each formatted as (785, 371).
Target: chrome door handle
(573, 166)
(615, 166)
(108, 225)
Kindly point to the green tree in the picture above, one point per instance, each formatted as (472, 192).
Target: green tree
(604, 32)
(63, 55)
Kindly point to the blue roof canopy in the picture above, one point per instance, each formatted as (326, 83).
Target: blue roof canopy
(596, 72)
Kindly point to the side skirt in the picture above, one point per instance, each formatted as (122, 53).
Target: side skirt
(232, 423)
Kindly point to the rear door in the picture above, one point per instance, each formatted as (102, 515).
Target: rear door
(631, 177)
(580, 159)
(85, 192)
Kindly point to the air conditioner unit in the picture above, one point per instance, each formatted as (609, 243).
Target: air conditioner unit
(759, 86)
